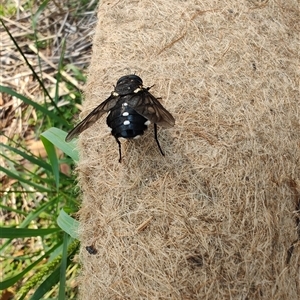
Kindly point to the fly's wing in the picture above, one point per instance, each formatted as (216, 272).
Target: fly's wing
(149, 107)
(92, 117)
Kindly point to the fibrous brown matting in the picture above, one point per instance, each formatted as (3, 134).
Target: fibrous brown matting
(217, 217)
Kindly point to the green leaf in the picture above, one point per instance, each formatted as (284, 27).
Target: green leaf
(57, 138)
(12, 232)
(50, 149)
(68, 224)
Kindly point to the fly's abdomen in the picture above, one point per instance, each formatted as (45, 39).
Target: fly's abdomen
(125, 122)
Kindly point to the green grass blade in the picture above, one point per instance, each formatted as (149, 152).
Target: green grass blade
(7, 208)
(11, 281)
(46, 285)
(31, 216)
(68, 224)
(41, 8)
(18, 169)
(10, 233)
(77, 72)
(55, 275)
(26, 181)
(60, 67)
(63, 269)
(57, 138)
(35, 161)
(45, 111)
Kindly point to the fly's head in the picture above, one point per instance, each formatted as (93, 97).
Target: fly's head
(128, 84)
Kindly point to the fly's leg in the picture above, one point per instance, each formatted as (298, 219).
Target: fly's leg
(156, 139)
(120, 151)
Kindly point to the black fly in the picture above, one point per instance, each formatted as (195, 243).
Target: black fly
(131, 108)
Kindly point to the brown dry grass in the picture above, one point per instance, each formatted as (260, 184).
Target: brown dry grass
(56, 23)
(218, 217)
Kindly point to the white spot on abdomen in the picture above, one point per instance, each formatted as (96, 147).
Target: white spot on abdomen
(125, 104)
(126, 122)
(125, 114)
